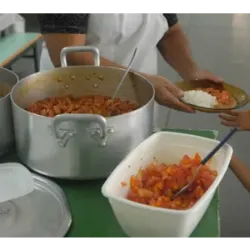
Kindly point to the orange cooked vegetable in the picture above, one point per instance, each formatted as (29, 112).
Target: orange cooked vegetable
(92, 104)
(155, 184)
(222, 96)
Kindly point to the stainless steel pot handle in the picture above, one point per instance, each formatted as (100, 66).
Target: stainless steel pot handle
(99, 134)
(93, 50)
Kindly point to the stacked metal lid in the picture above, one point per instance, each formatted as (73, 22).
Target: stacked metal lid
(31, 205)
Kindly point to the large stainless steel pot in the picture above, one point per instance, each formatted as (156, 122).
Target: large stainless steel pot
(7, 80)
(78, 146)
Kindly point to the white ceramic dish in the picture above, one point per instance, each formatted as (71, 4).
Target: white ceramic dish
(138, 220)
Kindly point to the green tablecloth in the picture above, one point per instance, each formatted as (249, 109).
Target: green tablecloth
(93, 217)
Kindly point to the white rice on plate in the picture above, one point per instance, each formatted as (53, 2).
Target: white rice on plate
(199, 98)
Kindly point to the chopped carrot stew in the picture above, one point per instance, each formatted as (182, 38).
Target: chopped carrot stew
(222, 96)
(92, 104)
(155, 184)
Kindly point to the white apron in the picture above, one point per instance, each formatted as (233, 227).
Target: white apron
(117, 35)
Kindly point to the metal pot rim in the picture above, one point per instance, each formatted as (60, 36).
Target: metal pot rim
(78, 66)
(12, 87)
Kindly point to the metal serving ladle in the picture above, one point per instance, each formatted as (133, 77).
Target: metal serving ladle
(125, 74)
(146, 21)
(205, 160)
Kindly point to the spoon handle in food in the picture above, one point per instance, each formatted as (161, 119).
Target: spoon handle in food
(214, 151)
(125, 74)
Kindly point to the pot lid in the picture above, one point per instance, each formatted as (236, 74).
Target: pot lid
(15, 181)
(43, 212)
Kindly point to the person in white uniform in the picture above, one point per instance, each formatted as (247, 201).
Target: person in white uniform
(116, 36)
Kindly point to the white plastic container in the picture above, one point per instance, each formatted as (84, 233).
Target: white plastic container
(15, 181)
(138, 220)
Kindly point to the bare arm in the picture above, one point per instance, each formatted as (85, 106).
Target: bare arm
(241, 171)
(175, 50)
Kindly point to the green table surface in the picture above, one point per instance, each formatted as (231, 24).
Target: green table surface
(93, 216)
(11, 46)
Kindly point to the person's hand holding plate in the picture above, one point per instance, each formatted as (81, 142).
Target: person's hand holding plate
(201, 74)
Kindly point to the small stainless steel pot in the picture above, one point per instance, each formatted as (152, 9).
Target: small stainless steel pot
(80, 146)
